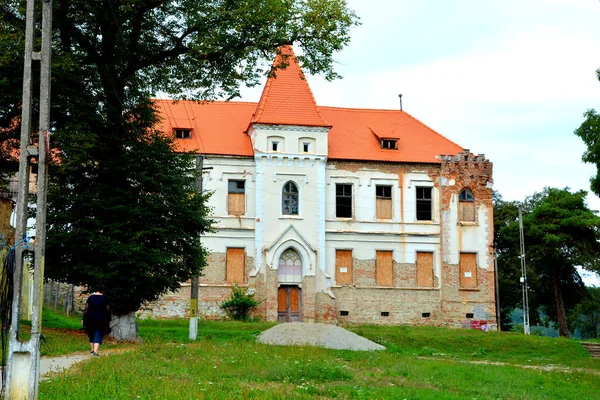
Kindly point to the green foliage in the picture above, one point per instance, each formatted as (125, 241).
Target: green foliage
(240, 304)
(122, 209)
(560, 232)
(122, 212)
(586, 315)
(589, 132)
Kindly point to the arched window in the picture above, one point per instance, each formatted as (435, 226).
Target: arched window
(289, 199)
(466, 206)
(290, 267)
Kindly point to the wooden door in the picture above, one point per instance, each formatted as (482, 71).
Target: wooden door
(289, 303)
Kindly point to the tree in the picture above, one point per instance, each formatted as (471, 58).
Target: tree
(560, 233)
(121, 209)
(589, 132)
(586, 315)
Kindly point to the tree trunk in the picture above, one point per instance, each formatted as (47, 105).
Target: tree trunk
(563, 330)
(124, 327)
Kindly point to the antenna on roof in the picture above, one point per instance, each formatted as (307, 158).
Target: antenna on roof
(400, 96)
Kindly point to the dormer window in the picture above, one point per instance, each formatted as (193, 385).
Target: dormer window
(274, 146)
(306, 147)
(390, 144)
(183, 133)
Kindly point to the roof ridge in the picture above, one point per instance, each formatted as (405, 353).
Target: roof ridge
(286, 98)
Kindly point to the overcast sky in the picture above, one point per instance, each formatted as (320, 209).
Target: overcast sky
(510, 79)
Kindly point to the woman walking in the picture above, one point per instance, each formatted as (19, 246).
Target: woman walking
(96, 318)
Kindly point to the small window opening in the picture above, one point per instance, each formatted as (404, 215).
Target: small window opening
(391, 144)
(385, 313)
(306, 147)
(344, 313)
(424, 204)
(425, 315)
(343, 200)
(289, 198)
(469, 315)
(383, 192)
(183, 133)
(274, 146)
(466, 195)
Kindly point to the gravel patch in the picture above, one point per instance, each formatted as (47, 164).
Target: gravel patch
(314, 334)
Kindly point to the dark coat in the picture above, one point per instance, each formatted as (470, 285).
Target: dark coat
(97, 314)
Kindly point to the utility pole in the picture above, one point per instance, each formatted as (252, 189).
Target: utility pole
(524, 287)
(23, 361)
(194, 289)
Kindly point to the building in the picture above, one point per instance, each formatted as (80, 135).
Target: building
(337, 214)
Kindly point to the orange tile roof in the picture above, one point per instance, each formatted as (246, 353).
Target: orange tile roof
(217, 127)
(287, 98)
(356, 135)
(220, 127)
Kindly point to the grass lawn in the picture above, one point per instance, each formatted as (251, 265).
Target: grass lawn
(226, 363)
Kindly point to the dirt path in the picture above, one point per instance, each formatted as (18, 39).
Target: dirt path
(549, 368)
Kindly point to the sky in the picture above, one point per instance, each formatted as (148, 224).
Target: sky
(510, 79)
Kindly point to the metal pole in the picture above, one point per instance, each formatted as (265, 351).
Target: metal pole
(498, 322)
(524, 287)
(23, 361)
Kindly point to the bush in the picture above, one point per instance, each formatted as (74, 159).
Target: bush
(240, 304)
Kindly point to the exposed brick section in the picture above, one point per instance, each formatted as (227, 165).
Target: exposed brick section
(470, 171)
(326, 308)
(473, 172)
(364, 305)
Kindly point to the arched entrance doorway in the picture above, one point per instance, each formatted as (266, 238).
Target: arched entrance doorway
(289, 293)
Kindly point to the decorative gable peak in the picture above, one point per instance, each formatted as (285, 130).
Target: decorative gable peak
(286, 98)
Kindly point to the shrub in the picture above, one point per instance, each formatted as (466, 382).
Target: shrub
(240, 304)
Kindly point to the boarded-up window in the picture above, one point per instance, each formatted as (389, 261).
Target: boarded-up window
(424, 269)
(384, 275)
(235, 268)
(343, 267)
(383, 195)
(236, 197)
(466, 206)
(468, 270)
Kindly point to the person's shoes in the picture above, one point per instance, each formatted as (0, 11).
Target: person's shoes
(92, 352)
(95, 354)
